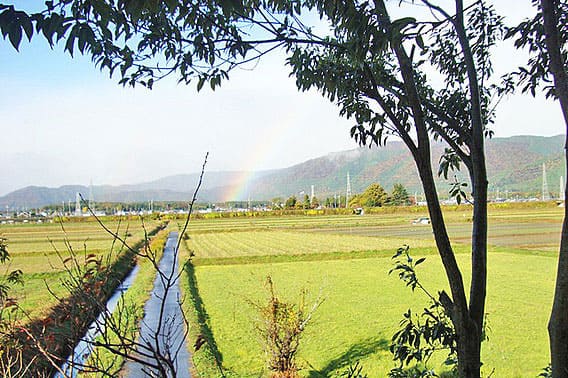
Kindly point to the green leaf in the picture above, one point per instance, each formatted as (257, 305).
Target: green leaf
(420, 41)
(15, 34)
(200, 84)
(82, 40)
(69, 45)
(26, 24)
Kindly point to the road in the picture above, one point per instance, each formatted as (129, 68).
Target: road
(166, 335)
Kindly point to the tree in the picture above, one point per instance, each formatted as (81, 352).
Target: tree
(356, 200)
(291, 202)
(277, 203)
(306, 204)
(370, 65)
(374, 196)
(280, 327)
(399, 195)
(546, 36)
(315, 203)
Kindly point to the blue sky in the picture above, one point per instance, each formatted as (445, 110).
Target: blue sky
(64, 122)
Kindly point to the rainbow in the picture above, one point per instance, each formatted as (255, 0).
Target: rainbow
(238, 189)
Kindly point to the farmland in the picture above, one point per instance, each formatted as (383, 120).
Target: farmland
(345, 260)
(39, 250)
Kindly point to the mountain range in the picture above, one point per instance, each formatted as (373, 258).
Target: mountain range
(514, 164)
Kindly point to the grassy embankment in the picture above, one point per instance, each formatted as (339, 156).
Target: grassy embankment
(39, 250)
(346, 259)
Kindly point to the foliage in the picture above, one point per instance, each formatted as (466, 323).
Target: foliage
(307, 203)
(315, 203)
(399, 195)
(7, 280)
(529, 35)
(291, 202)
(373, 196)
(12, 363)
(420, 335)
(366, 64)
(457, 190)
(280, 327)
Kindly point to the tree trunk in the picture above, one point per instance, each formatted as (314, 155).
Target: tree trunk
(468, 333)
(469, 349)
(558, 324)
(467, 321)
(468, 340)
(474, 324)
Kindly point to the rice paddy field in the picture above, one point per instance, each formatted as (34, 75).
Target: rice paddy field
(341, 260)
(345, 260)
(40, 249)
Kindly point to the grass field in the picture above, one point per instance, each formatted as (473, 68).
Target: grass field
(38, 250)
(346, 260)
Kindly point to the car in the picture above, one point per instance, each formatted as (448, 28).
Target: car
(421, 220)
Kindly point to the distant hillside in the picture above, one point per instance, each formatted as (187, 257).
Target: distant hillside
(513, 164)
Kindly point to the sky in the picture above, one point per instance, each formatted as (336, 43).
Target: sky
(62, 121)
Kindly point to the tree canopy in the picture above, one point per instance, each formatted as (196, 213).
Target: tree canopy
(372, 66)
(399, 195)
(373, 196)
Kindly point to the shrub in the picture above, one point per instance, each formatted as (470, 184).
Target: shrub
(281, 326)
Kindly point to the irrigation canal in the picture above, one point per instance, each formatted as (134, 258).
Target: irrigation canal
(162, 327)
